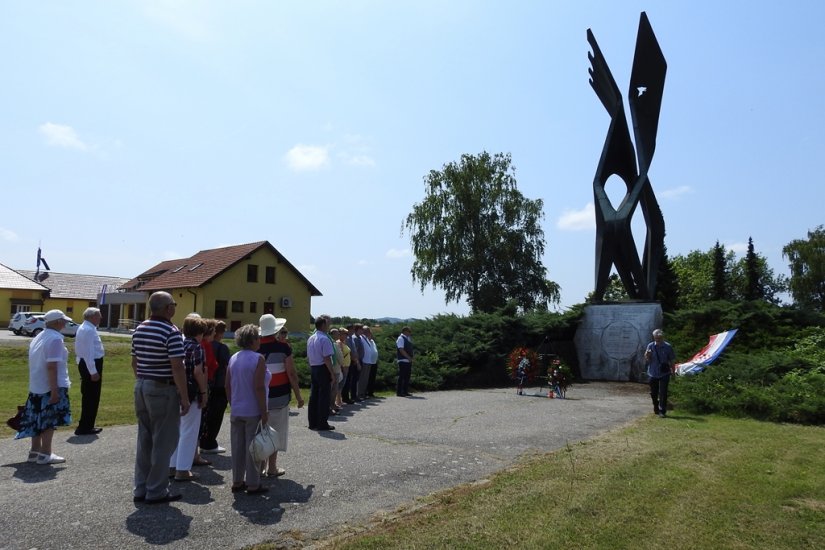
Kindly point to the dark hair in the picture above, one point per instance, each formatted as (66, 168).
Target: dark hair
(320, 322)
(193, 326)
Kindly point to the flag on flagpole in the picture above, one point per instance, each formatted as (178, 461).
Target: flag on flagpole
(41, 261)
(103, 295)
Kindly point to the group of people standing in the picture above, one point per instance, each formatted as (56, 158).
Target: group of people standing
(181, 379)
(343, 365)
(47, 406)
(184, 382)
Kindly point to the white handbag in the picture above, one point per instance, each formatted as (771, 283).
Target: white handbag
(264, 443)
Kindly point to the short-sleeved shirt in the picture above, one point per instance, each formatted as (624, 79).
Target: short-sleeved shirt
(318, 347)
(155, 341)
(275, 353)
(403, 342)
(47, 347)
(193, 355)
(661, 359)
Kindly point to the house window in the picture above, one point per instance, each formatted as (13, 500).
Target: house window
(237, 306)
(269, 307)
(253, 307)
(270, 274)
(220, 309)
(251, 273)
(69, 309)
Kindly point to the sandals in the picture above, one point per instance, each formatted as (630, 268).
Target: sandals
(239, 488)
(277, 473)
(185, 476)
(201, 462)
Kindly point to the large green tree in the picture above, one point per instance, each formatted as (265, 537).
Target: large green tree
(721, 274)
(477, 237)
(807, 263)
(752, 278)
(718, 275)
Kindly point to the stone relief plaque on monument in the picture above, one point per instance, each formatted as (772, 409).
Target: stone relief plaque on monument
(611, 339)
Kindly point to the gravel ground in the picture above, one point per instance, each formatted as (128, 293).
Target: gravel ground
(384, 453)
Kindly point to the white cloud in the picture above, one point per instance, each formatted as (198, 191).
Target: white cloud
(578, 220)
(8, 235)
(304, 158)
(59, 135)
(676, 192)
(739, 248)
(395, 253)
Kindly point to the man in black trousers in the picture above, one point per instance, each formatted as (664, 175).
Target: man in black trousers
(89, 351)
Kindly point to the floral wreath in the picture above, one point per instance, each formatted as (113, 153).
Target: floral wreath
(559, 374)
(514, 359)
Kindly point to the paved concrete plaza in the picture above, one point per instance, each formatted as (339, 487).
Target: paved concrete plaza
(384, 453)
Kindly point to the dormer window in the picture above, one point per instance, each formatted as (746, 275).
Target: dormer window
(178, 268)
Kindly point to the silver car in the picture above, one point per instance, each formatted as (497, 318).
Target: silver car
(19, 319)
(35, 326)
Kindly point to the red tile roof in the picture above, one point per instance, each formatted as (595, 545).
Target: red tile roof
(202, 268)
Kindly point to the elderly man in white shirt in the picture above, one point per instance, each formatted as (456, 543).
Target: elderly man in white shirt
(369, 362)
(89, 351)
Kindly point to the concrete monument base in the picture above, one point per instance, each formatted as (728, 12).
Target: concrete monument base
(611, 340)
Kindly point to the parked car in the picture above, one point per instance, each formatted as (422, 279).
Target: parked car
(35, 326)
(20, 318)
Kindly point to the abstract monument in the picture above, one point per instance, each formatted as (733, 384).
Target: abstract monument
(611, 337)
(614, 240)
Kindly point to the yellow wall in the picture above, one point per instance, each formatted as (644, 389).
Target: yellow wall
(233, 286)
(71, 307)
(6, 296)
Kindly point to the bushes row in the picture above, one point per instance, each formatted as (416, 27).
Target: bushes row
(775, 386)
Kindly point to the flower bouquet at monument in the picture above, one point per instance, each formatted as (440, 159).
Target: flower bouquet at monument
(522, 366)
(559, 378)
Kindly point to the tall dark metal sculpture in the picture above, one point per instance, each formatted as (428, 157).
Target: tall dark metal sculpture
(614, 239)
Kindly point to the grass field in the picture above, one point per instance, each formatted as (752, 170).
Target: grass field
(117, 404)
(682, 483)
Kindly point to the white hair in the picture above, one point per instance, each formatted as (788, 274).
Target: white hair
(90, 312)
(658, 332)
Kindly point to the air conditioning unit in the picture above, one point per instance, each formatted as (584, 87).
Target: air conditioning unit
(286, 301)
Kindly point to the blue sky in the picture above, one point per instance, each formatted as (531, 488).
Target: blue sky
(138, 131)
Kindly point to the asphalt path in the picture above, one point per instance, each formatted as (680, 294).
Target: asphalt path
(384, 454)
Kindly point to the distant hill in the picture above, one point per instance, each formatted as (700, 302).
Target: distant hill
(394, 320)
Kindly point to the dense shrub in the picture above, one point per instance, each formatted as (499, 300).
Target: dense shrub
(776, 386)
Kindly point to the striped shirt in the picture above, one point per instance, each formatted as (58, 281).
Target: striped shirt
(154, 342)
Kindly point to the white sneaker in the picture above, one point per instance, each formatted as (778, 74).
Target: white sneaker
(33, 456)
(214, 451)
(50, 459)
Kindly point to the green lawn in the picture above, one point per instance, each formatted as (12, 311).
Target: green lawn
(117, 404)
(681, 483)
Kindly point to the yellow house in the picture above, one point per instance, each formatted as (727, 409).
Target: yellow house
(19, 293)
(236, 284)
